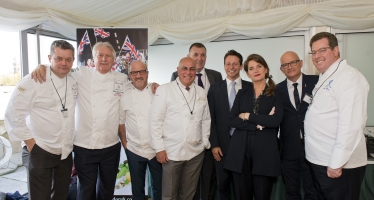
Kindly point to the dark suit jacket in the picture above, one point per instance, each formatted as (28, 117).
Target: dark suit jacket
(219, 112)
(213, 76)
(293, 120)
(266, 160)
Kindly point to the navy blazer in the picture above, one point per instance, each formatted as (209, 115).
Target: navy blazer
(213, 76)
(266, 160)
(293, 119)
(219, 107)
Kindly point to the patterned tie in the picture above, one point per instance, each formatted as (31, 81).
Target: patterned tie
(231, 101)
(296, 96)
(199, 81)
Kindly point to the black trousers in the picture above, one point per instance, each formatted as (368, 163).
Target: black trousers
(90, 163)
(248, 185)
(296, 173)
(138, 166)
(346, 187)
(224, 179)
(207, 184)
(49, 176)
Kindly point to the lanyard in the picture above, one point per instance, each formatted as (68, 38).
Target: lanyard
(66, 88)
(325, 81)
(193, 108)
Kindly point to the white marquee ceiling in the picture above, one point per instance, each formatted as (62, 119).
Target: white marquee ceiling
(183, 21)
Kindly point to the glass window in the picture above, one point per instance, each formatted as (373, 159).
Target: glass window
(10, 69)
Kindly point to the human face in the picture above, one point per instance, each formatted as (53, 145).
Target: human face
(139, 80)
(199, 55)
(61, 61)
(187, 71)
(256, 71)
(323, 60)
(292, 72)
(232, 67)
(103, 59)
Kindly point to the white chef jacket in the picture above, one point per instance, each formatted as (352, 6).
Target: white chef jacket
(336, 118)
(173, 129)
(34, 111)
(135, 110)
(97, 116)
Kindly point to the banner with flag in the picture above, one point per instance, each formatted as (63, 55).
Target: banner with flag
(129, 47)
(85, 40)
(100, 32)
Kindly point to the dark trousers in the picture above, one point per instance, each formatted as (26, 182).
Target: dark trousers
(248, 185)
(49, 176)
(296, 173)
(207, 184)
(90, 163)
(346, 187)
(138, 167)
(224, 179)
(25, 162)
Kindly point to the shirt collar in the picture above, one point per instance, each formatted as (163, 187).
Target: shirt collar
(202, 72)
(238, 81)
(331, 69)
(299, 82)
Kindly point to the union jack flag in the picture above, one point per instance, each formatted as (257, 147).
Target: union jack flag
(101, 32)
(85, 40)
(129, 47)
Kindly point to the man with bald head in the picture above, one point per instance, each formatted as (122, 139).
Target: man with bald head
(296, 90)
(180, 129)
(134, 123)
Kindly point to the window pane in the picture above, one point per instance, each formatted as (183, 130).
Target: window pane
(10, 69)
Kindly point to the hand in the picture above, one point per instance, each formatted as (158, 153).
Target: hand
(260, 127)
(334, 173)
(217, 153)
(162, 157)
(272, 111)
(30, 144)
(154, 87)
(39, 74)
(244, 116)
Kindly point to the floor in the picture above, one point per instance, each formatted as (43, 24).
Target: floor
(13, 176)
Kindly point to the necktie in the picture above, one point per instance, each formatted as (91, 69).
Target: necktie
(231, 101)
(188, 88)
(296, 96)
(199, 81)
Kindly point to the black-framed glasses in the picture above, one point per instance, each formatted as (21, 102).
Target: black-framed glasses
(320, 51)
(292, 64)
(141, 72)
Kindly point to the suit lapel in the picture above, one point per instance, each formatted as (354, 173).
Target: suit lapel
(210, 76)
(225, 97)
(305, 87)
(286, 95)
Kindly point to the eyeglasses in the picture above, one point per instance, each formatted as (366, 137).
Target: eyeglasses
(141, 72)
(292, 64)
(320, 51)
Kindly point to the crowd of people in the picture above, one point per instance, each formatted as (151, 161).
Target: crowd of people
(201, 137)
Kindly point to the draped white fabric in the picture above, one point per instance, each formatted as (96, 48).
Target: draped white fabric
(182, 21)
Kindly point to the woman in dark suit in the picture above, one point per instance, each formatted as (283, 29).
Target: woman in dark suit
(253, 154)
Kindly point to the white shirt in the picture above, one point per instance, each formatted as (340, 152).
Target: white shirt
(135, 111)
(336, 118)
(97, 116)
(237, 86)
(34, 111)
(204, 79)
(291, 89)
(173, 129)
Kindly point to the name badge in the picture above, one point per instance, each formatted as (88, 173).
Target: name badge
(118, 88)
(64, 112)
(307, 98)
